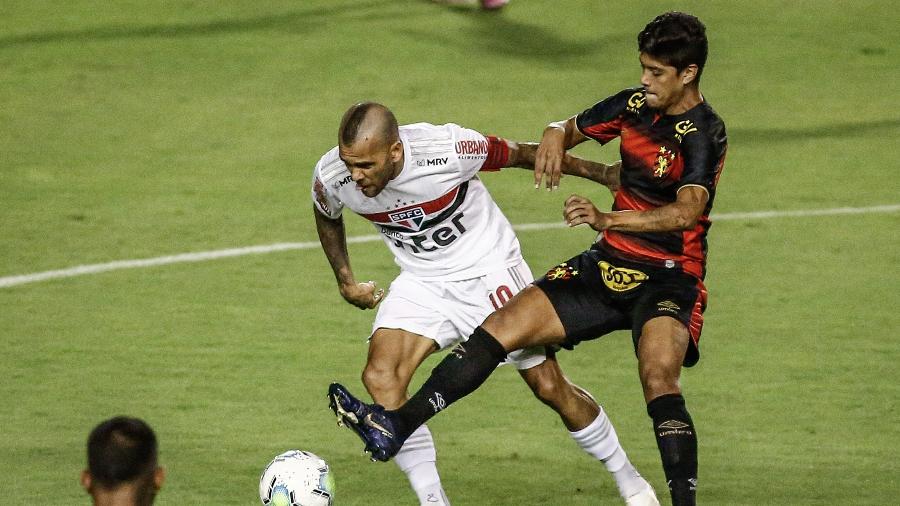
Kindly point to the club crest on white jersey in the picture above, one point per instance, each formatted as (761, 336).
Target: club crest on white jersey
(409, 218)
(436, 216)
(417, 216)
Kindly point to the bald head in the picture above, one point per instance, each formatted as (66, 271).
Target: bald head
(368, 121)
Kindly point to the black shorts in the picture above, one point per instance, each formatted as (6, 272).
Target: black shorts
(596, 293)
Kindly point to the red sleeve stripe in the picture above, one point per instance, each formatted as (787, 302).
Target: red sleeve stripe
(498, 154)
(604, 132)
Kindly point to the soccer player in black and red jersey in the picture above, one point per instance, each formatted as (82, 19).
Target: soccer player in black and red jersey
(645, 272)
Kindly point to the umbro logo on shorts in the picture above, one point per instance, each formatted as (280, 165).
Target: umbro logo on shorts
(668, 305)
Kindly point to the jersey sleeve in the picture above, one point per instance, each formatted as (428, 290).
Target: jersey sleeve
(323, 200)
(603, 121)
(703, 159)
(478, 152)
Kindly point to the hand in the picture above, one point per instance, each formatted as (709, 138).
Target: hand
(549, 158)
(363, 295)
(579, 210)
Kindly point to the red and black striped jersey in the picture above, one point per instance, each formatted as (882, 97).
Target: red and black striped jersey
(660, 155)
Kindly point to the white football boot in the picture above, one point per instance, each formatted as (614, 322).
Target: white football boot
(645, 497)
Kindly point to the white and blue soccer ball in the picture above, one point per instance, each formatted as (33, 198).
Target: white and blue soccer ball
(297, 478)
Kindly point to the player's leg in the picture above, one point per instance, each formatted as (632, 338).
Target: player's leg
(460, 373)
(575, 406)
(397, 347)
(394, 355)
(589, 427)
(668, 320)
(661, 351)
(527, 319)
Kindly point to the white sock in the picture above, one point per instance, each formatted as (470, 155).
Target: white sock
(417, 458)
(600, 440)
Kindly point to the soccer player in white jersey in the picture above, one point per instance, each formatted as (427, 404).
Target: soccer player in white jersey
(459, 260)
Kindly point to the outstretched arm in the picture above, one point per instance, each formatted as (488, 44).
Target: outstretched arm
(559, 137)
(524, 154)
(334, 242)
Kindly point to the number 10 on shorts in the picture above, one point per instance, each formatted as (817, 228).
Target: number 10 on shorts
(500, 296)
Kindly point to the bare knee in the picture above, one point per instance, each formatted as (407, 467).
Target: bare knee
(661, 350)
(394, 355)
(549, 392)
(550, 388)
(385, 385)
(657, 380)
(575, 406)
(498, 323)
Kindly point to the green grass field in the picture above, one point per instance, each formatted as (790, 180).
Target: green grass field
(133, 130)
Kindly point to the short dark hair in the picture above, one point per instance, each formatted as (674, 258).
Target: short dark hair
(677, 39)
(120, 450)
(357, 113)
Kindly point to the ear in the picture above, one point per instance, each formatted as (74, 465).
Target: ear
(159, 476)
(689, 74)
(86, 480)
(396, 151)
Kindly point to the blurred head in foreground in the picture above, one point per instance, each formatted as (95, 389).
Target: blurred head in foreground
(122, 463)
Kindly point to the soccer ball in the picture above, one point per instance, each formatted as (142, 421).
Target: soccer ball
(296, 478)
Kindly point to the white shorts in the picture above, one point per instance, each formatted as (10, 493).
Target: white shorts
(447, 312)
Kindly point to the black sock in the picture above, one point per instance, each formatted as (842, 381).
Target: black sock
(461, 372)
(677, 442)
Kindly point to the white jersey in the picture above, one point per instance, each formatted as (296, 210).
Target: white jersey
(436, 216)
